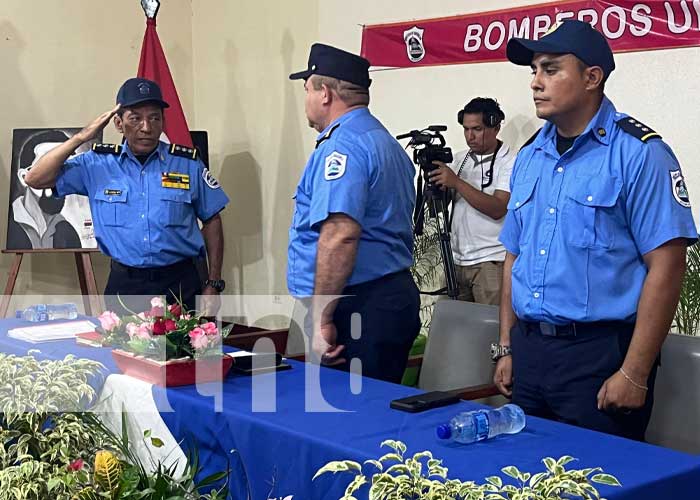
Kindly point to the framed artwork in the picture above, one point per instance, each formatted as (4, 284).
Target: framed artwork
(36, 218)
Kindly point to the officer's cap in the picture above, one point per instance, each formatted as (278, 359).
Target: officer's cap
(569, 37)
(328, 61)
(138, 90)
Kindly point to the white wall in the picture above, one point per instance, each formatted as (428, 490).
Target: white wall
(657, 87)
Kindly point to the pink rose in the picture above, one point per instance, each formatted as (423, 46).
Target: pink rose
(142, 316)
(109, 321)
(144, 331)
(132, 330)
(198, 338)
(170, 325)
(157, 302)
(209, 328)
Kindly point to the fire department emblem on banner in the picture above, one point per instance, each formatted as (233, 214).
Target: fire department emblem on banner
(414, 44)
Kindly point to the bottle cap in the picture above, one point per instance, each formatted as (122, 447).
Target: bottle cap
(444, 431)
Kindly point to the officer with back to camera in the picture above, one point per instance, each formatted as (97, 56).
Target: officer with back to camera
(352, 233)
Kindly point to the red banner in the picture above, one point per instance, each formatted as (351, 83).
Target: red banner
(628, 25)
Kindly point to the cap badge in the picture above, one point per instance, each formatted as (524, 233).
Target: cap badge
(554, 28)
(144, 88)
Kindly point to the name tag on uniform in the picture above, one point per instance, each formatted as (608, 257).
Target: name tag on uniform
(175, 180)
(113, 192)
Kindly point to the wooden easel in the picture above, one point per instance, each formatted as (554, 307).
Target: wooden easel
(92, 300)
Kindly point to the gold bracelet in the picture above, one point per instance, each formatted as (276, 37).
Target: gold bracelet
(638, 386)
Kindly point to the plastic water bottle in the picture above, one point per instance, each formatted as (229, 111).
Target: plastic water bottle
(48, 312)
(472, 426)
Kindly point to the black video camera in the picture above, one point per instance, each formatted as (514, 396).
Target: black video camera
(428, 146)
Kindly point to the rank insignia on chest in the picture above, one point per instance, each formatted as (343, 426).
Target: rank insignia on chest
(175, 180)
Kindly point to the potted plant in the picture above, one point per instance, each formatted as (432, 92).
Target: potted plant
(166, 345)
(423, 477)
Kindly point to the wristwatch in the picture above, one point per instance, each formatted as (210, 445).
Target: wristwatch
(498, 351)
(217, 285)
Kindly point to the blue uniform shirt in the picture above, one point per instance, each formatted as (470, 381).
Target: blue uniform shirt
(139, 221)
(579, 223)
(360, 170)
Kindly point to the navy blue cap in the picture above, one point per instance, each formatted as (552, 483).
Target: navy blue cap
(569, 37)
(325, 60)
(137, 90)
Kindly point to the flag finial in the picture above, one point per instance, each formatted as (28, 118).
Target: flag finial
(150, 8)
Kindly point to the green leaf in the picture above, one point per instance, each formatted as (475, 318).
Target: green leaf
(338, 466)
(495, 480)
(511, 471)
(376, 463)
(606, 479)
(157, 442)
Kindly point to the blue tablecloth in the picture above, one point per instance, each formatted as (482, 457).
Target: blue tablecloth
(280, 450)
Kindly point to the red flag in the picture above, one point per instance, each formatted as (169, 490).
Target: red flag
(154, 66)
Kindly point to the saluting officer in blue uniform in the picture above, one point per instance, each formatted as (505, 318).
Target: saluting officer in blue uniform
(596, 233)
(145, 197)
(352, 230)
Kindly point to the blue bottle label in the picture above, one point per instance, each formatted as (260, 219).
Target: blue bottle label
(481, 424)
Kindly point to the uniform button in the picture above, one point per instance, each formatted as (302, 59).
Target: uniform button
(142, 216)
(551, 210)
(560, 169)
(542, 252)
(517, 203)
(145, 238)
(142, 172)
(590, 198)
(536, 295)
(143, 194)
(110, 198)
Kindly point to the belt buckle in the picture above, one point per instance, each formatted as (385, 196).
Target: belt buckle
(548, 329)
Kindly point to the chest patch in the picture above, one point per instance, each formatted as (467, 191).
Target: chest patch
(335, 166)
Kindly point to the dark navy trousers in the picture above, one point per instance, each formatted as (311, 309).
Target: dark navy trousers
(387, 313)
(136, 286)
(557, 375)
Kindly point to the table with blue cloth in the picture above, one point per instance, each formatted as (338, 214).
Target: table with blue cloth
(280, 443)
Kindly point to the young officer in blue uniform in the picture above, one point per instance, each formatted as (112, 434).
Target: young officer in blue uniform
(145, 197)
(596, 233)
(352, 231)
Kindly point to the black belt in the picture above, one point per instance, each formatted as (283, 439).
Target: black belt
(573, 329)
(360, 287)
(154, 273)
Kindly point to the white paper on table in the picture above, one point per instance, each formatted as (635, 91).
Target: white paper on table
(51, 331)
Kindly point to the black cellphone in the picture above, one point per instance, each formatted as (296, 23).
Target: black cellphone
(425, 401)
(264, 362)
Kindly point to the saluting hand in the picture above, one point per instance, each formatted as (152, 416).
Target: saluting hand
(443, 176)
(91, 131)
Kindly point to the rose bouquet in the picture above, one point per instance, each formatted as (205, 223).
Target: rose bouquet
(164, 332)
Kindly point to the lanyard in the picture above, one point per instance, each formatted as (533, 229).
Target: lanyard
(489, 172)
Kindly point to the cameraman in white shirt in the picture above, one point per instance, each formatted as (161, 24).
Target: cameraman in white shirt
(479, 178)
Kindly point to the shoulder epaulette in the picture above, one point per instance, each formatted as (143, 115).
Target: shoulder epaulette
(637, 129)
(327, 136)
(531, 139)
(107, 149)
(184, 151)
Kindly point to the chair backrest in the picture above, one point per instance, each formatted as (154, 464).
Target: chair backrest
(676, 415)
(296, 343)
(457, 350)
